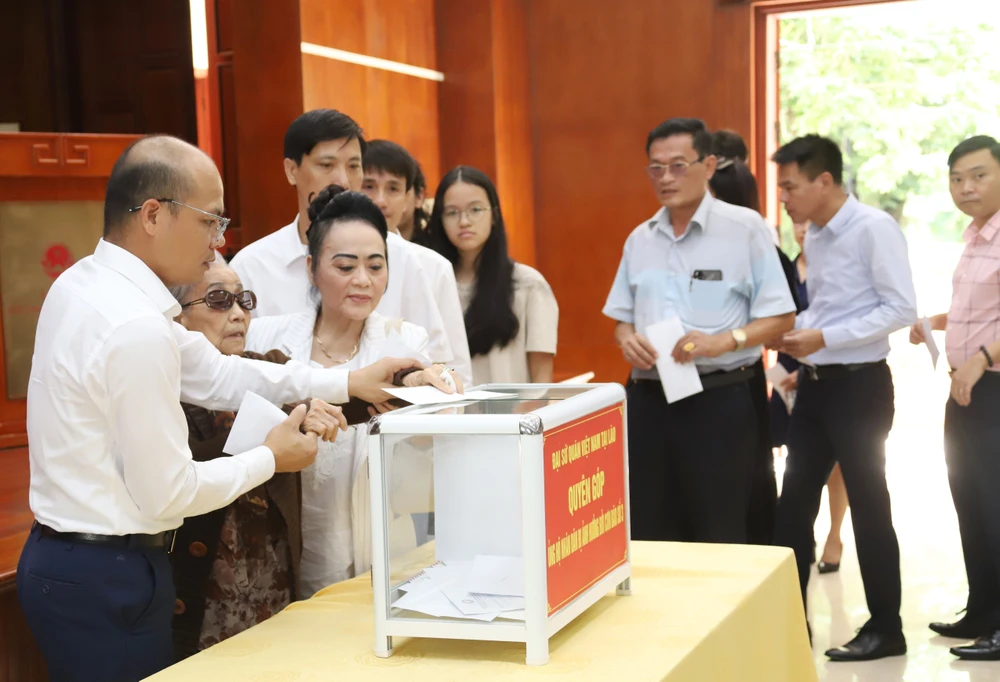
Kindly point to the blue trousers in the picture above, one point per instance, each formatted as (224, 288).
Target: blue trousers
(98, 613)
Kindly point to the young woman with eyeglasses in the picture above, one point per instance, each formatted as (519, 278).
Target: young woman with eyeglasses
(236, 566)
(511, 314)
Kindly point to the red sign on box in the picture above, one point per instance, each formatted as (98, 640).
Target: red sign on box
(585, 530)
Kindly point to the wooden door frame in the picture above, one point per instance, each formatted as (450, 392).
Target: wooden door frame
(764, 88)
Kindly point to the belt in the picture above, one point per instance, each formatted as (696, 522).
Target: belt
(727, 378)
(823, 372)
(164, 540)
(718, 379)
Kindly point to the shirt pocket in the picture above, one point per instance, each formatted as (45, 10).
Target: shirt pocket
(708, 302)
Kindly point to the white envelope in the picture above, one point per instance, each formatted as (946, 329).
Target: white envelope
(254, 421)
(497, 575)
(679, 381)
(776, 375)
(932, 348)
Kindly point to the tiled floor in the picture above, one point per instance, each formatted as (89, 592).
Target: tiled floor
(933, 574)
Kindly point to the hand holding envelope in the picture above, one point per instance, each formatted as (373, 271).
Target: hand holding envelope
(680, 380)
(258, 422)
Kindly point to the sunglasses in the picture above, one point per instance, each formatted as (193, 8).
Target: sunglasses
(223, 300)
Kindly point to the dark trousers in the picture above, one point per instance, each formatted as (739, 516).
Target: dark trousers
(690, 463)
(846, 420)
(98, 613)
(763, 503)
(972, 452)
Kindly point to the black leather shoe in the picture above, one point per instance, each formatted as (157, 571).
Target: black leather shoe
(870, 645)
(824, 568)
(986, 648)
(961, 629)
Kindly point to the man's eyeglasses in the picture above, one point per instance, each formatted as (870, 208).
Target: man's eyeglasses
(222, 300)
(678, 169)
(219, 227)
(474, 214)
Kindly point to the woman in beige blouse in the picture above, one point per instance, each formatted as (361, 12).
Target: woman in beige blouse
(511, 315)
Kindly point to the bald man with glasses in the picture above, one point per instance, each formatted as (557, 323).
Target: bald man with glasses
(112, 475)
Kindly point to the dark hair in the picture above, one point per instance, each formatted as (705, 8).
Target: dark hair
(489, 320)
(734, 184)
(695, 127)
(391, 158)
(420, 216)
(730, 145)
(814, 155)
(134, 181)
(320, 125)
(336, 205)
(972, 145)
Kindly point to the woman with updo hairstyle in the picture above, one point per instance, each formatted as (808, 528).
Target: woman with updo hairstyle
(349, 271)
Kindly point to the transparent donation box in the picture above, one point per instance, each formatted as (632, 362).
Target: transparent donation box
(499, 519)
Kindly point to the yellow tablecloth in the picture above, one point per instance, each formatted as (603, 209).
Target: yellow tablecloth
(698, 613)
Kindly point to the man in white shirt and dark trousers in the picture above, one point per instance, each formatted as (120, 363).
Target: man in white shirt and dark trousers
(860, 291)
(714, 266)
(111, 472)
(324, 147)
(390, 175)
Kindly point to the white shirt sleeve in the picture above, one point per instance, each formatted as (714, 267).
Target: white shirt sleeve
(215, 381)
(450, 308)
(418, 306)
(143, 372)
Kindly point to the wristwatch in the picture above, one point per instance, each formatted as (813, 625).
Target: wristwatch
(740, 337)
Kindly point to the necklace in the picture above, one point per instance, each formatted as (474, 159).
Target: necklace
(333, 359)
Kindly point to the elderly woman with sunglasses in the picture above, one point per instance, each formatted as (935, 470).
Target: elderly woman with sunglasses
(347, 264)
(236, 566)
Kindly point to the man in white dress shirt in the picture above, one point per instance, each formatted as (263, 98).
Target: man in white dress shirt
(324, 147)
(111, 472)
(390, 176)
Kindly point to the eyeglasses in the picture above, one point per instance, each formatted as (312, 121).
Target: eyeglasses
(678, 169)
(219, 227)
(474, 214)
(222, 300)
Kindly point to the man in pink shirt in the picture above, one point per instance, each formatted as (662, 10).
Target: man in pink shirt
(971, 422)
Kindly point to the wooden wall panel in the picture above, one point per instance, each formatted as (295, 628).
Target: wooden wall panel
(465, 56)
(398, 30)
(602, 77)
(486, 104)
(26, 93)
(134, 72)
(267, 96)
(512, 125)
(387, 105)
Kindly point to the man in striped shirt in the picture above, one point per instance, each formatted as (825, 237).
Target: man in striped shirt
(971, 426)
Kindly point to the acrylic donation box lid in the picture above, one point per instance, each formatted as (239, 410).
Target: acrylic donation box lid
(500, 519)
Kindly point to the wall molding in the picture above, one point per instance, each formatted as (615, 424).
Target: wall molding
(373, 62)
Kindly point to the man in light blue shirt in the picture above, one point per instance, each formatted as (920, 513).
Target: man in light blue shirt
(714, 266)
(860, 291)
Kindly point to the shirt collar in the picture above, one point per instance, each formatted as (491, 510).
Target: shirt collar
(988, 231)
(661, 219)
(842, 219)
(292, 247)
(136, 271)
